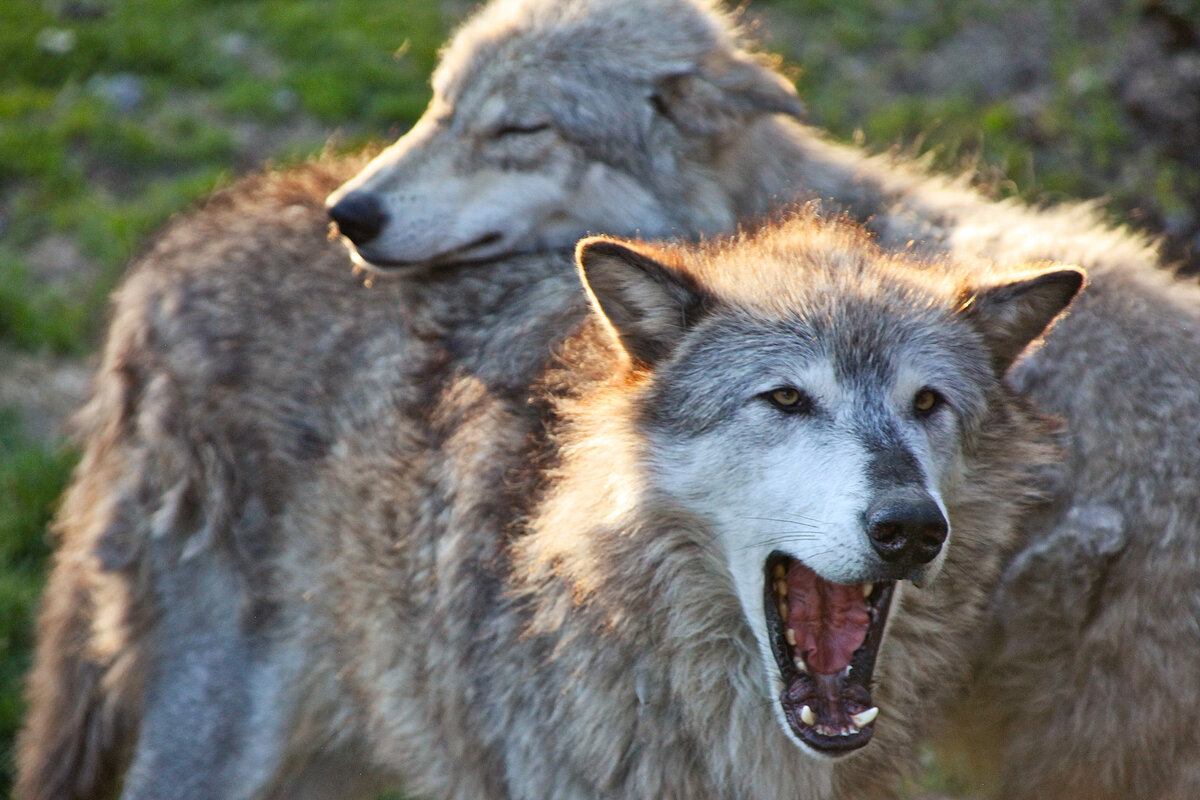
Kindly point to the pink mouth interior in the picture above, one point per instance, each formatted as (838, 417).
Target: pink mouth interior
(830, 619)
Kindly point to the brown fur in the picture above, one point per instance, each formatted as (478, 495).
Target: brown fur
(1080, 694)
(345, 457)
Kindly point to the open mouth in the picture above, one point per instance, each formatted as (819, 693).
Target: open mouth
(825, 637)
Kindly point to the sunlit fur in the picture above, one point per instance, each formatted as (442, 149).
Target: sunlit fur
(322, 541)
(1088, 689)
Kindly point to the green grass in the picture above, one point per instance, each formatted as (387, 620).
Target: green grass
(31, 478)
(74, 162)
(1077, 143)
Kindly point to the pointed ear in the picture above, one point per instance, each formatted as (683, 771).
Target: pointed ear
(722, 93)
(1013, 314)
(646, 303)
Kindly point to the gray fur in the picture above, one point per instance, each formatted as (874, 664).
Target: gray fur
(1092, 708)
(421, 564)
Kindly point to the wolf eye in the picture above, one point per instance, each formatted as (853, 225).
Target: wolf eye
(789, 399)
(926, 401)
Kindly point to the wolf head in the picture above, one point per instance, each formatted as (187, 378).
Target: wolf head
(826, 412)
(553, 118)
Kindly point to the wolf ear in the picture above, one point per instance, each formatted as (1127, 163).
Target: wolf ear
(646, 303)
(1014, 313)
(717, 97)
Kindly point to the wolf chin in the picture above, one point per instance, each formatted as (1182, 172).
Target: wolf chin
(661, 542)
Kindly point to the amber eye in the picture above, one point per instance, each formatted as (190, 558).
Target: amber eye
(786, 398)
(926, 401)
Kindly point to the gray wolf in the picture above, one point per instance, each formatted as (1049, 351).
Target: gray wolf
(1087, 688)
(500, 535)
(533, 140)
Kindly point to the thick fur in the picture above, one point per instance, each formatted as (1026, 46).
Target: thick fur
(1089, 685)
(438, 554)
(1088, 690)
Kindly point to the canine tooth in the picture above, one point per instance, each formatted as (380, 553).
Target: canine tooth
(800, 665)
(867, 588)
(791, 637)
(865, 718)
(780, 572)
(807, 716)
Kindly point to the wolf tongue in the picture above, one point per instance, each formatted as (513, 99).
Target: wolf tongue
(830, 619)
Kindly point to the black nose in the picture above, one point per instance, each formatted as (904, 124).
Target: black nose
(907, 531)
(359, 216)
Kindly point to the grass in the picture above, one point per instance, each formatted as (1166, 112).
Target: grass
(31, 478)
(116, 115)
(113, 122)
(867, 74)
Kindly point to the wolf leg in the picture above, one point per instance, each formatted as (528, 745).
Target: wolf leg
(1058, 578)
(216, 707)
(1086, 690)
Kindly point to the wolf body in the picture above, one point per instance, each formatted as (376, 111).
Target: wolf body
(1087, 689)
(467, 535)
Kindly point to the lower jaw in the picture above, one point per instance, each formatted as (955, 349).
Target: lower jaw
(473, 252)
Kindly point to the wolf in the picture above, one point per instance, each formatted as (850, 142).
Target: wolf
(556, 107)
(697, 521)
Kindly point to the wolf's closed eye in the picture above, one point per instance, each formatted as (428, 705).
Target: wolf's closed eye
(520, 129)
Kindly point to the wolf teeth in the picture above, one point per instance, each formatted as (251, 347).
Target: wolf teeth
(865, 718)
(857, 722)
(783, 609)
(781, 588)
(780, 572)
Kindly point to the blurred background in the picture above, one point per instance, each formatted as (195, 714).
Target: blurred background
(116, 114)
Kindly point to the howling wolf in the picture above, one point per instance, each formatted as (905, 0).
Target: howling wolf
(552, 119)
(700, 529)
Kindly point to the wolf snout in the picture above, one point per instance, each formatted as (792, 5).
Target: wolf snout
(359, 216)
(906, 531)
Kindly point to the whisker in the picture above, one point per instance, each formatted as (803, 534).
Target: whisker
(788, 540)
(798, 520)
